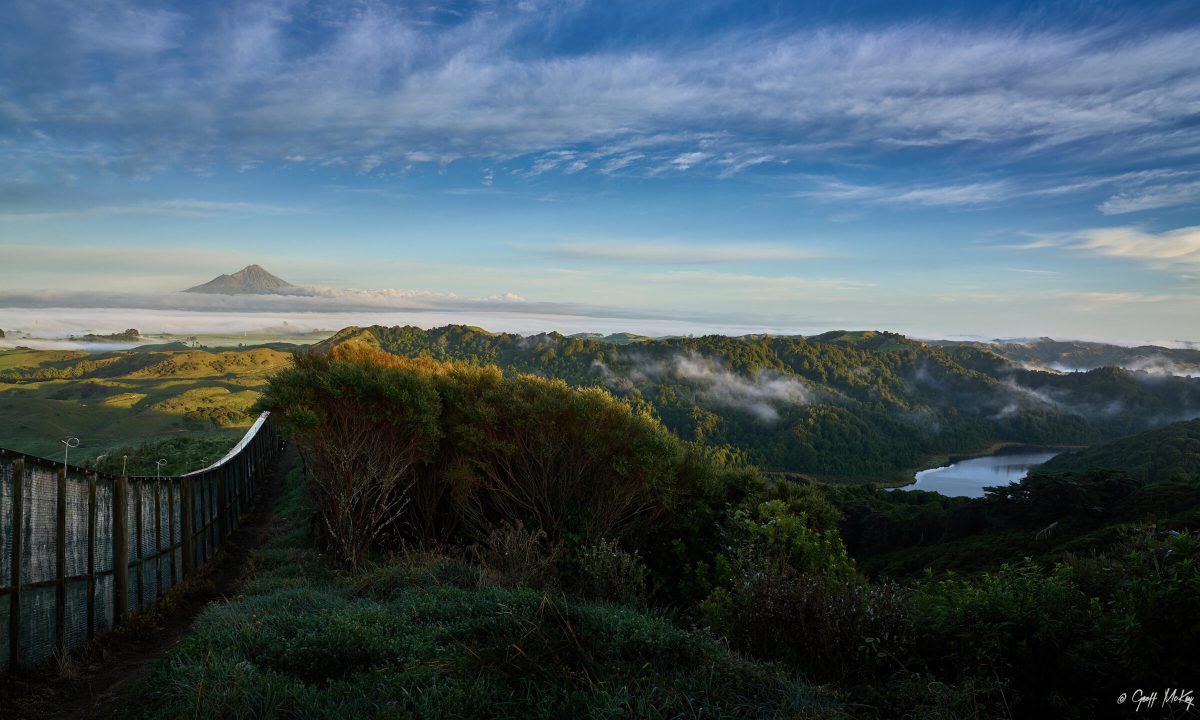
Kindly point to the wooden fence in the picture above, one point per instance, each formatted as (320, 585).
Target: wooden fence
(79, 549)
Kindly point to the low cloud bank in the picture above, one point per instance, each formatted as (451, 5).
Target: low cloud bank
(761, 395)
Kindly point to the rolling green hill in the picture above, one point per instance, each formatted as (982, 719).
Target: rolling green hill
(836, 406)
(1170, 453)
(1076, 355)
(116, 398)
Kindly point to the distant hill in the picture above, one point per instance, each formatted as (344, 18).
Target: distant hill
(1153, 456)
(115, 398)
(847, 405)
(1078, 356)
(250, 280)
(130, 335)
(621, 338)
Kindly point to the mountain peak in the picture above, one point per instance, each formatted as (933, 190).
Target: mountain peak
(250, 280)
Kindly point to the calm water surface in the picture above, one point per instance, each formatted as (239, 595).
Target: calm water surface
(968, 478)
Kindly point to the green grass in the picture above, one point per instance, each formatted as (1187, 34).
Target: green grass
(112, 399)
(420, 639)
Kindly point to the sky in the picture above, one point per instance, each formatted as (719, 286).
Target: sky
(942, 169)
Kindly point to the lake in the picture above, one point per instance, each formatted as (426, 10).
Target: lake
(968, 478)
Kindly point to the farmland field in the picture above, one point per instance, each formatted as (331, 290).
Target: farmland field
(116, 398)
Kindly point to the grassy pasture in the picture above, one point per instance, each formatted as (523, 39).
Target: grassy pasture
(114, 399)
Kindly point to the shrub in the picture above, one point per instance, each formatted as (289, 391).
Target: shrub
(511, 556)
(424, 450)
(566, 460)
(1034, 628)
(363, 423)
(608, 572)
(836, 629)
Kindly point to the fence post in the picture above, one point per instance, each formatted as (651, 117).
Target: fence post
(60, 556)
(91, 563)
(185, 523)
(18, 542)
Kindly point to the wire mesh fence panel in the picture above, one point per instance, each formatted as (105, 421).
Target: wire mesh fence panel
(6, 526)
(149, 586)
(76, 618)
(133, 540)
(5, 640)
(37, 625)
(77, 525)
(148, 569)
(76, 555)
(164, 571)
(103, 597)
(103, 552)
(38, 554)
(6, 547)
(177, 511)
(164, 534)
(211, 516)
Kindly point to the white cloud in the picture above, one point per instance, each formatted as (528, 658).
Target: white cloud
(1172, 249)
(1152, 197)
(1138, 190)
(183, 208)
(676, 253)
(975, 193)
(620, 162)
(762, 394)
(240, 87)
(686, 161)
(776, 281)
(1102, 301)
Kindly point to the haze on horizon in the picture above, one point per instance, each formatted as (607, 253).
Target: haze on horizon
(931, 168)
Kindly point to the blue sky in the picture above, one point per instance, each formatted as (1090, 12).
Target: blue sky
(941, 168)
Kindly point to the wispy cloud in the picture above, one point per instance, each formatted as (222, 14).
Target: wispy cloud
(1140, 190)
(167, 209)
(974, 193)
(767, 285)
(1175, 250)
(676, 253)
(1179, 247)
(1152, 197)
(373, 84)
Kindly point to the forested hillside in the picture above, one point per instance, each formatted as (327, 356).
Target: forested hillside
(861, 405)
(1080, 503)
(1075, 355)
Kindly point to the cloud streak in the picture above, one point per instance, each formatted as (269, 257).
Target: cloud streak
(676, 253)
(1171, 249)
